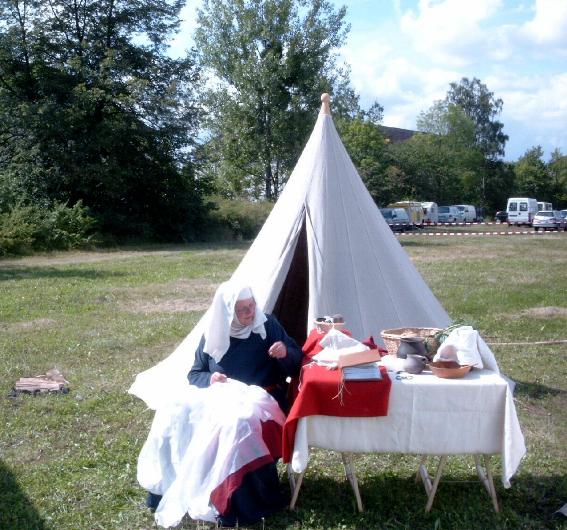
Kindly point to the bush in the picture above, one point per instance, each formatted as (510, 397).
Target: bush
(17, 231)
(25, 228)
(237, 218)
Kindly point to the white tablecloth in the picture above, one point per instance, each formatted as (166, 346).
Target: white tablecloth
(427, 416)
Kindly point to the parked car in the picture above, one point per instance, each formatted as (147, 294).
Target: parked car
(449, 214)
(468, 211)
(397, 219)
(549, 220)
(501, 216)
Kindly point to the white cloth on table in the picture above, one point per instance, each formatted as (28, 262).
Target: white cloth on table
(196, 443)
(427, 416)
(465, 345)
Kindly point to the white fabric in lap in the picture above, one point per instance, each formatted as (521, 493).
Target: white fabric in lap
(198, 442)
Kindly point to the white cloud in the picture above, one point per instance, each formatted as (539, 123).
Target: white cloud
(535, 111)
(549, 25)
(450, 30)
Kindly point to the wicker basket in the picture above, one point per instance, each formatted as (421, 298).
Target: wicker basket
(391, 338)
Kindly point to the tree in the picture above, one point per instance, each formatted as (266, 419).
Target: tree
(557, 167)
(466, 120)
(481, 107)
(430, 169)
(366, 147)
(272, 60)
(93, 109)
(533, 178)
(441, 164)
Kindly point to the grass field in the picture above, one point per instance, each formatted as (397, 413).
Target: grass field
(100, 317)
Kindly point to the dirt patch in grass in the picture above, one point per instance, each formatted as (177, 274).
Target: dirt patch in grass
(539, 312)
(164, 298)
(27, 325)
(179, 305)
(75, 258)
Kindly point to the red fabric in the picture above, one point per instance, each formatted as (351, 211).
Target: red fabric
(272, 436)
(373, 346)
(312, 347)
(319, 396)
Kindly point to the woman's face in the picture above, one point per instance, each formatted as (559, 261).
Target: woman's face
(245, 311)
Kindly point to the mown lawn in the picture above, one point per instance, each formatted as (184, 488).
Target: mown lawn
(69, 461)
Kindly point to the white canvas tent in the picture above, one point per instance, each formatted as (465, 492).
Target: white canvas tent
(324, 249)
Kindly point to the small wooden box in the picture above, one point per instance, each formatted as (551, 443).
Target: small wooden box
(359, 357)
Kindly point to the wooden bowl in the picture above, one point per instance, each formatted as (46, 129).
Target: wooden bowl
(449, 369)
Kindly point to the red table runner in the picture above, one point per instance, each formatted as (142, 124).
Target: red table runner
(319, 395)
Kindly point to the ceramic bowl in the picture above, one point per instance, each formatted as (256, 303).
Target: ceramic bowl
(449, 369)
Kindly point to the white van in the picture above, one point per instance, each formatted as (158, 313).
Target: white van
(521, 210)
(449, 214)
(544, 206)
(468, 211)
(430, 212)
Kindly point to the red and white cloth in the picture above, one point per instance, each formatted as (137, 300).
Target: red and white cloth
(319, 395)
(200, 448)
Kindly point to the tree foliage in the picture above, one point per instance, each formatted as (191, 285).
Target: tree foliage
(544, 181)
(92, 109)
(479, 104)
(272, 60)
(557, 167)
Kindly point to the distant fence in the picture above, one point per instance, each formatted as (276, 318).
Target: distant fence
(476, 234)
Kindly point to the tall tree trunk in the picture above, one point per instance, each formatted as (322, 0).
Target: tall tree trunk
(268, 180)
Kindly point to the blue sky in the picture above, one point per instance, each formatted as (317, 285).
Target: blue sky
(404, 54)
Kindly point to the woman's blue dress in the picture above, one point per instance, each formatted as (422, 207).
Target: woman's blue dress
(247, 360)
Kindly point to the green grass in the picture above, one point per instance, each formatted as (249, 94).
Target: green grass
(69, 461)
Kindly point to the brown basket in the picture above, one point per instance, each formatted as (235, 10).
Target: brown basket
(391, 338)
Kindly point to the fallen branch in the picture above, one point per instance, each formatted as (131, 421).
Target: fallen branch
(530, 343)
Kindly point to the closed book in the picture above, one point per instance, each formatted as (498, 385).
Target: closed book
(359, 357)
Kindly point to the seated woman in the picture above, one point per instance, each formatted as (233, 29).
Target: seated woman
(244, 344)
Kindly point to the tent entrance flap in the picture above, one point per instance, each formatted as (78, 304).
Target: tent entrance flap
(292, 304)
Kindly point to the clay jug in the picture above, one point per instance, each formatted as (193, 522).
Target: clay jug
(414, 364)
(410, 346)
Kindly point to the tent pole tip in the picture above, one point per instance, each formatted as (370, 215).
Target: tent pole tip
(325, 101)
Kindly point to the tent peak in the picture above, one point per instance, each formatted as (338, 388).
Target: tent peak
(325, 107)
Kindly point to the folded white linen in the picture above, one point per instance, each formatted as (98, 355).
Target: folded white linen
(196, 443)
(334, 343)
(465, 346)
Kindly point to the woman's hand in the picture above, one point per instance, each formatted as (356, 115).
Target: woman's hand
(278, 350)
(217, 377)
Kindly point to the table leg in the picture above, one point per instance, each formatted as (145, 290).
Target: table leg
(431, 487)
(421, 464)
(351, 477)
(294, 483)
(485, 476)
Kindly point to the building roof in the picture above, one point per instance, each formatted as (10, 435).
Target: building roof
(396, 134)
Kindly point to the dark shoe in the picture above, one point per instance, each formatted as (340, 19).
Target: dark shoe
(152, 501)
(227, 521)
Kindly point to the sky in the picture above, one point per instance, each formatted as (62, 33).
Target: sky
(405, 53)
